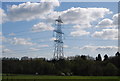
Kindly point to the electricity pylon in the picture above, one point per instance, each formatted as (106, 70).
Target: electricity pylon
(58, 42)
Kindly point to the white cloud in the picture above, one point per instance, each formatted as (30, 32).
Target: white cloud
(38, 47)
(2, 16)
(65, 46)
(28, 11)
(81, 16)
(116, 18)
(100, 48)
(107, 34)
(41, 27)
(34, 49)
(82, 26)
(105, 23)
(109, 22)
(79, 33)
(42, 46)
(6, 50)
(11, 34)
(111, 32)
(21, 41)
(2, 38)
(45, 10)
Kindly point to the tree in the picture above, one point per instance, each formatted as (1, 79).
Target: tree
(99, 58)
(78, 65)
(83, 57)
(105, 57)
(117, 54)
(110, 70)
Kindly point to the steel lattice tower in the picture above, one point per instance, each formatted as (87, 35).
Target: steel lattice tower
(58, 50)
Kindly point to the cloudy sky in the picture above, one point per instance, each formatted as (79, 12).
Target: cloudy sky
(90, 28)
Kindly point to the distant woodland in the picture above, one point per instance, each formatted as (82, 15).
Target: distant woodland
(71, 66)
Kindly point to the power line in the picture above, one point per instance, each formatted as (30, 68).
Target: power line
(12, 44)
(21, 35)
(88, 40)
(15, 32)
(38, 40)
(19, 32)
(27, 50)
(69, 38)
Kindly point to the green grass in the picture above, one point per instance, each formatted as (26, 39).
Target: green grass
(58, 78)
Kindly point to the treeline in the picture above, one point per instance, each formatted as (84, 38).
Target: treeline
(78, 65)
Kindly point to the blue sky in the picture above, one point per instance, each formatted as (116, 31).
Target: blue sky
(89, 28)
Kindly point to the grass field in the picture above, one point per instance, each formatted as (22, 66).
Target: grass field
(58, 78)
